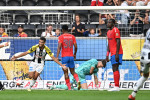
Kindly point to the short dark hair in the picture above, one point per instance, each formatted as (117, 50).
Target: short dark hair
(113, 21)
(65, 27)
(49, 25)
(43, 38)
(77, 15)
(104, 63)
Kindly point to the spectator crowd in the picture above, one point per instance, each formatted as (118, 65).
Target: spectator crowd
(132, 21)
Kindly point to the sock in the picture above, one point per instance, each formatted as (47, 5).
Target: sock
(133, 94)
(138, 86)
(93, 3)
(61, 87)
(68, 84)
(76, 77)
(32, 82)
(116, 78)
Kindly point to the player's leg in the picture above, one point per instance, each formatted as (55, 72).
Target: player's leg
(32, 68)
(63, 86)
(67, 79)
(115, 68)
(31, 73)
(72, 70)
(65, 61)
(38, 69)
(83, 83)
(116, 74)
(145, 70)
(75, 75)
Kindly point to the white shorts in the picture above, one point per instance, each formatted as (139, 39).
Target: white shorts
(145, 67)
(36, 67)
(145, 61)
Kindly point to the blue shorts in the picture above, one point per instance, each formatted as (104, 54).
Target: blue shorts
(69, 61)
(113, 60)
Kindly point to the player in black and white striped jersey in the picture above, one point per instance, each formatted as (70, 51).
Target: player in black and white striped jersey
(145, 65)
(36, 66)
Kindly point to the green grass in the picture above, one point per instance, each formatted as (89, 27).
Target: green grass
(70, 95)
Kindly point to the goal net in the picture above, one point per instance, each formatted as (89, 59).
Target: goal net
(133, 24)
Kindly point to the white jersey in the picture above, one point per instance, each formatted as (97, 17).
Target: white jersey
(45, 34)
(39, 55)
(145, 54)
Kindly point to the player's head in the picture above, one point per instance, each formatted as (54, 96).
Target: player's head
(20, 28)
(77, 18)
(101, 64)
(111, 23)
(42, 41)
(64, 28)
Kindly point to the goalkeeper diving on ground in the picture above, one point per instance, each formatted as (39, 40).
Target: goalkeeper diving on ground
(87, 68)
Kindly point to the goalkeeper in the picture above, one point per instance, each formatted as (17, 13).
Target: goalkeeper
(87, 68)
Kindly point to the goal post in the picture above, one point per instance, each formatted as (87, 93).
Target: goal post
(35, 21)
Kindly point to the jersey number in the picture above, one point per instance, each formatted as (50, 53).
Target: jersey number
(68, 43)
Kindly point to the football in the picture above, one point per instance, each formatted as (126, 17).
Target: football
(18, 82)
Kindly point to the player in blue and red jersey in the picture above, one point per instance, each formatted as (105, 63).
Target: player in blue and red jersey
(66, 42)
(115, 48)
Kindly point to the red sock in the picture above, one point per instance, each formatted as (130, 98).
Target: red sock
(76, 77)
(68, 84)
(116, 78)
(93, 3)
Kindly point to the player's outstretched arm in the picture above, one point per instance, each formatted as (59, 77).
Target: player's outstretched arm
(56, 60)
(4, 45)
(20, 55)
(58, 49)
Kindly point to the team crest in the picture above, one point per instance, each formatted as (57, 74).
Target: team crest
(117, 34)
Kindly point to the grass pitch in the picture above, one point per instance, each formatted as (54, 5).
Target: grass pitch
(70, 95)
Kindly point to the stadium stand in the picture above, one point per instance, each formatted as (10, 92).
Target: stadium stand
(36, 19)
(51, 18)
(14, 3)
(58, 3)
(43, 3)
(86, 2)
(94, 18)
(29, 3)
(3, 3)
(73, 3)
(21, 19)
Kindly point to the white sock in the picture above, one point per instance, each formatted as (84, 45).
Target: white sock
(133, 94)
(32, 82)
(139, 84)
